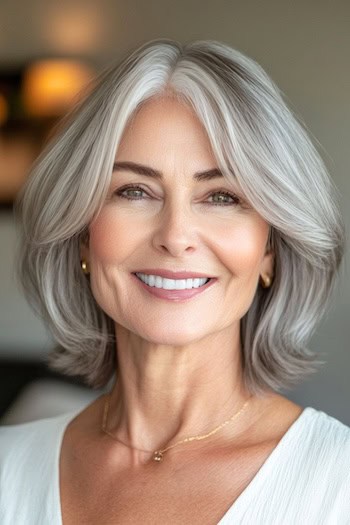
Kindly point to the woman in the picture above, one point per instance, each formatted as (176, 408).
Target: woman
(181, 234)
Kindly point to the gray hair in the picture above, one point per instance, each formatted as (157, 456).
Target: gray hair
(255, 139)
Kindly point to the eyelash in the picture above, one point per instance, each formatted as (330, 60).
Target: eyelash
(119, 193)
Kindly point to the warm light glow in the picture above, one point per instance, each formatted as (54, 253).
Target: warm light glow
(3, 109)
(50, 86)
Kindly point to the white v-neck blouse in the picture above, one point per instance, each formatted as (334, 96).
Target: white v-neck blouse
(305, 480)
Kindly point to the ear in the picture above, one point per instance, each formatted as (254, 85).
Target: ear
(268, 264)
(84, 247)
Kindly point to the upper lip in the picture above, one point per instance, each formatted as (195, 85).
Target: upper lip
(169, 274)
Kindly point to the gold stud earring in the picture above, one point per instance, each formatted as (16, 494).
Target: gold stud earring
(266, 281)
(84, 267)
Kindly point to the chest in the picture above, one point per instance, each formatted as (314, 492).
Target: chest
(187, 489)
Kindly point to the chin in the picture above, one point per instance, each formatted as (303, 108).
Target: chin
(175, 336)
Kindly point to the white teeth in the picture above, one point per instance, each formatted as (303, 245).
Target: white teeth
(171, 284)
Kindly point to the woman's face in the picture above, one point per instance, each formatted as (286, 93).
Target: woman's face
(174, 222)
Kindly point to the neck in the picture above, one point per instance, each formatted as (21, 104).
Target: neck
(164, 394)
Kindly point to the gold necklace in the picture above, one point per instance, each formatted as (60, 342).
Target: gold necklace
(157, 455)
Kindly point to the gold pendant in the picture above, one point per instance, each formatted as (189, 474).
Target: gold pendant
(157, 456)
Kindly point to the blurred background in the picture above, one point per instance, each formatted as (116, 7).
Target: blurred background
(49, 50)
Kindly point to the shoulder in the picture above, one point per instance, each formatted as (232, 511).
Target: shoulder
(321, 453)
(310, 468)
(17, 438)
(29, 455)
(325, 431)
(26, 448)
(309, 437)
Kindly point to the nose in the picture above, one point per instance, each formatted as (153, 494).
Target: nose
(175, 231)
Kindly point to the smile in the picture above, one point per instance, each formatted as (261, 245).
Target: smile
(155, 281)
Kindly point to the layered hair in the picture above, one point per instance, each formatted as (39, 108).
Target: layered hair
(257, 142)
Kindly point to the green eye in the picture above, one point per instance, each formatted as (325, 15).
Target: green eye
(131, 193)
(225, 198)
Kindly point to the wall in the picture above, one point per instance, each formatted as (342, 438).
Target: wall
(304, 46)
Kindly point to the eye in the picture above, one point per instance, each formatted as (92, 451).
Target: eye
(225, 199)
(131, 192)
(134, 192)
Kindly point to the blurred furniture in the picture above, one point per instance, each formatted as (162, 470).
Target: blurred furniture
(29, 391)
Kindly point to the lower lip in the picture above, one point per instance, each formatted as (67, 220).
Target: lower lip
(174, 295)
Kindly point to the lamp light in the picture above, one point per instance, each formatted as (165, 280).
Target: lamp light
(50, 86)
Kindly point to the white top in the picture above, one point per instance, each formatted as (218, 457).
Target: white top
(305, 480)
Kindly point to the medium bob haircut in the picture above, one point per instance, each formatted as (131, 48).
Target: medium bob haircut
(256, 141)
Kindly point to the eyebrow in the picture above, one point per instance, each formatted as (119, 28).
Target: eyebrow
(213, 173)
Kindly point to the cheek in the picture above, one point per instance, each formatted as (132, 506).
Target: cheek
(109, 239)
(110, 244)
(242, 247)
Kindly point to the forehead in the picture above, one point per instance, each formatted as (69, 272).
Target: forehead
(167, 128)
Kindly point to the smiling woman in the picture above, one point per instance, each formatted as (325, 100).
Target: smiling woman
(173, 222)
(181, 234)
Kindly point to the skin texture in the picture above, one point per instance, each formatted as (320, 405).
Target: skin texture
(179, 362)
